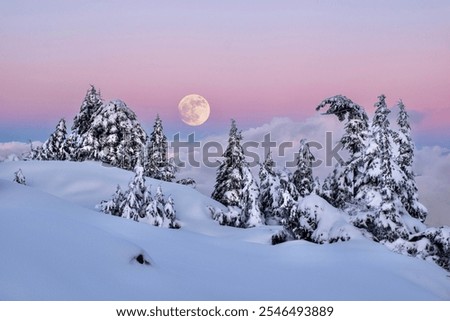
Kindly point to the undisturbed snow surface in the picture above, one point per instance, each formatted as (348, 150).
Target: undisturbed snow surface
(54, 245)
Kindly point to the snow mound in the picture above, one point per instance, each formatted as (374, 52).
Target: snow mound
(332, 224)
(315, 220)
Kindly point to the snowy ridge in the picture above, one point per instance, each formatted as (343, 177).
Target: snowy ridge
(58, 247)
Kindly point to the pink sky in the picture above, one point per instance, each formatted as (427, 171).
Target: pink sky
(252, 61)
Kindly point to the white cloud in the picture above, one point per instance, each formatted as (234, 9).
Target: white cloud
(11, 150)
(432, 167)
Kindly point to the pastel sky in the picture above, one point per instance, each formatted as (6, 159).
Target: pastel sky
(252, 60)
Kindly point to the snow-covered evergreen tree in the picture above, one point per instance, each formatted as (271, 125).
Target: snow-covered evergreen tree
(157, 164)
(235, 186)
(381, 178)
(91, 104)
(269, 196)
(229, 177)
(170, 214)
(343, 183)
(407, 188)
(303, 177)
(19, 177)
(138, 204)
(114, 137)
(250, 214)
(133, 206)
(114, 205)
(161, 212)
(54, 148)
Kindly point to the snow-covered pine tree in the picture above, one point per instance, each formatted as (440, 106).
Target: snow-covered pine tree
(343, 183)
(19, 177)
(54, 148)
(133, 206)
(288, 194)
(303, 176)
(269, 191)
(235, 186)
(114, 137)
(407, 188)
(161, 212)
(170, 214)
(229, 177)
(157, 163)
(250, 214)
(114, 205)
(381, 176)
(91, 104)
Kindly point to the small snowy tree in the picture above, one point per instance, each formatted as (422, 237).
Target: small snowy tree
(133, 206)
(303, 176)
(407, 187)
(161, 212)
(54, 148)
(114, 205)
(157, 163)
(19, 177)
(138, 204)
(250, 214)
(269, 196)
(170, 214)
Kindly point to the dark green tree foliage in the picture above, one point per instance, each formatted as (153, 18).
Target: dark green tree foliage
(303, 177)
(157, 163)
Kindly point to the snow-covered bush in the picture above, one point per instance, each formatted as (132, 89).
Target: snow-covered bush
(187, 181)
(314, 219)
(230, 217)
(431, 244)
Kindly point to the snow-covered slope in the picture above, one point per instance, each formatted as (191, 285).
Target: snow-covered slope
(55, 246)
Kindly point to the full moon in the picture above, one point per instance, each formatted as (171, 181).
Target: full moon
(194, 109)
